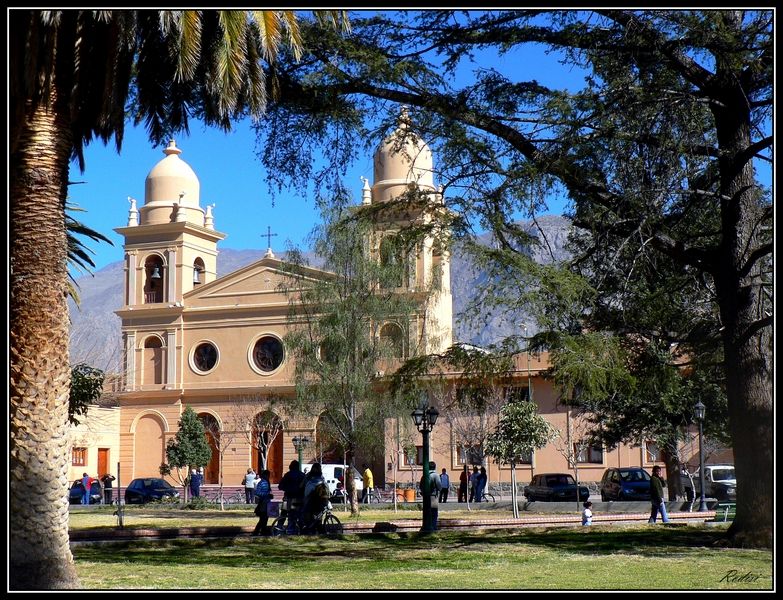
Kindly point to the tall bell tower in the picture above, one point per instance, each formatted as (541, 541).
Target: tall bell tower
(170, 249)
(402, 163)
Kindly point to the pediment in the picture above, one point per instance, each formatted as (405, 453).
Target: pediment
(262, 281)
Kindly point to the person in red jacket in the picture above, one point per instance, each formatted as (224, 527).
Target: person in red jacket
(86, 486)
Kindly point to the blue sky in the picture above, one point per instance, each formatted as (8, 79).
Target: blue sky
(230, 176)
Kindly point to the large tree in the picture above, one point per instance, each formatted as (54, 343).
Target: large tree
(655, 148)
(336, 328)
(73, 76)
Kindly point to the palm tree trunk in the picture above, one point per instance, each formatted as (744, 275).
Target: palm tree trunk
(40, 556)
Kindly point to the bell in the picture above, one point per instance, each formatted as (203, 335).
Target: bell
(196, 275)
(155, 273)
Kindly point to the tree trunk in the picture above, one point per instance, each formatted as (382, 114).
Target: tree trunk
(40, 556)
(748, 361)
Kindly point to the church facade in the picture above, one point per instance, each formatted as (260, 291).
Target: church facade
(216, 345)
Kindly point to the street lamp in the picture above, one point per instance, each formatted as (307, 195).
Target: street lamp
(300, 443)
(700, 408)
(425, 421)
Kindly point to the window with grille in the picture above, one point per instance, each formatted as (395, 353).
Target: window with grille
(79, 457)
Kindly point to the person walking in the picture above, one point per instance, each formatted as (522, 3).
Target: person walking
(474, 477)
(107, 488)
(434, 494)
(656, 496)
(462, 492)
(263, 494)
(195, 483)
(367, 483)
(249, 480)
(292, 487)
(444, 486)
(587, 513)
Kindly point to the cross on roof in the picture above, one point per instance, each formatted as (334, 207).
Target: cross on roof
(268, 235)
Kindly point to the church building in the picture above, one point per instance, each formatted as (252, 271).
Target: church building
(216, 345)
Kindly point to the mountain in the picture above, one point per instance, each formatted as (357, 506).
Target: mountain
(95, 329)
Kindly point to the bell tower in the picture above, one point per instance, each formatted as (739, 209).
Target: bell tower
(402, 164)
(170, 250)
(171, 242)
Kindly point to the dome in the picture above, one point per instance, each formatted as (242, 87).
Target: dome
(402, 158)
(170, 182)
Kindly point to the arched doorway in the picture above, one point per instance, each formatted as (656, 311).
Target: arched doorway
(327, 449)
(212, 429)
(268, 441)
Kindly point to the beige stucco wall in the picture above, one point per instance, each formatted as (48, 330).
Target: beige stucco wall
(99, 428)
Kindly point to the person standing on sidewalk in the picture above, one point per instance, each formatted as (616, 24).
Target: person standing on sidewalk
(656, 496)
(462, 492)
(444, 486)
(107, 487)
(367, 483)
(434, 494)
(250, 481)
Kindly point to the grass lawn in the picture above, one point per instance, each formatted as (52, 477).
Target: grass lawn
(600, 557)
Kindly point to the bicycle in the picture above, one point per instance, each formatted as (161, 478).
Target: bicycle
(486, 497)
(228, 498)
(324, 522)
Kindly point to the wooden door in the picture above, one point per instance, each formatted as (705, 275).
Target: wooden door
(103, 461)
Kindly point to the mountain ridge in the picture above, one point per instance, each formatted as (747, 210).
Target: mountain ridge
(95, 330)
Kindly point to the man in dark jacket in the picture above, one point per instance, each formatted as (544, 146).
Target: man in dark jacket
(292, 487)
(656, 496)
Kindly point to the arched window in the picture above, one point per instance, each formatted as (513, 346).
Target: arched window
(392, 263)
(392, 340)
(153, 280)
(437, 265)
(153, 361)
(198, 272)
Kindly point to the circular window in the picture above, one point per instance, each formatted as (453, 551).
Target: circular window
(205, 357)
(268, 353)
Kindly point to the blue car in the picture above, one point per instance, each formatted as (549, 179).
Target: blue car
(625, 483)
(149, 489)
(554, 487)
(77, 491)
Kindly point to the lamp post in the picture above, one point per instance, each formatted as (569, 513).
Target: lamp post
(699, 409)
(300, 443)
(425, 421)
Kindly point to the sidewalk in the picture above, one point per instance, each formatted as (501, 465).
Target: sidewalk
(399, 525)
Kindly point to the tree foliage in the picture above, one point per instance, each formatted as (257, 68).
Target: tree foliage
(656, 150)
(189, 448)
(334, 330)
(86, 388)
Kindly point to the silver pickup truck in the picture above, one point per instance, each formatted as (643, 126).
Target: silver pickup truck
(720, 482)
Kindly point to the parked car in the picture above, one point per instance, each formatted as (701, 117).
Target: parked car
(720, 482)
(335, 473)
(149, 489)
(554, 487)
(626, 483)
(77, 491)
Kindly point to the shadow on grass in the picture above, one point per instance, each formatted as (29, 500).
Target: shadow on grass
(244, 551)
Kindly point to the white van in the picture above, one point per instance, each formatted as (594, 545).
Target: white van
(334, 473)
